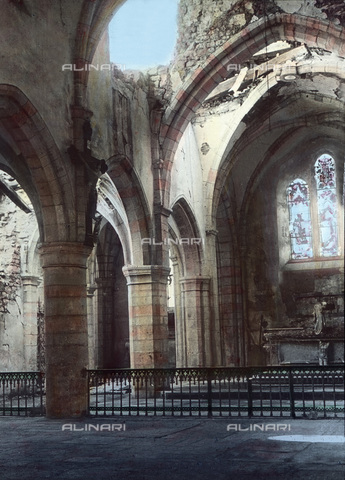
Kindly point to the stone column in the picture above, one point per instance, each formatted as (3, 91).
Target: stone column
(105, 290)
(64, 267)
(196, 319)
(30, 284)
(180, 342)
(212, 271)
(148, 317)
(92, 324)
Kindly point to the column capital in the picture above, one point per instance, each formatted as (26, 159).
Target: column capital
(195, 281)
(60, 254)
(33, 280)
(90, 289)
(145, 274)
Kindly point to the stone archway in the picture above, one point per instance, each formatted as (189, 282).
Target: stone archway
(238, 50)
(195, 326)
(29, 147)
(50, 184)
(129, 188)
(112, 301)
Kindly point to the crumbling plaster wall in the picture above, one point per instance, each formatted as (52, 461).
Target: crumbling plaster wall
(205, 25)
(222, 119)
(17, 330)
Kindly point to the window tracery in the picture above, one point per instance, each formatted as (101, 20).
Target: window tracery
(313, 213)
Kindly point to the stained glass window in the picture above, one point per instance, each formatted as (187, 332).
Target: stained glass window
(327, 205)
(299, 220)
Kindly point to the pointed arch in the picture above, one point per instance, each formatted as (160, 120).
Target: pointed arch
(110, 206)
(30, 154)
(189, 238)
(238, 50)
(132, 195)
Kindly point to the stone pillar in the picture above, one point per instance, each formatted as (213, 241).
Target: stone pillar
(212, 272)
(30, 284)
(197, 320)
(105, 290)
(148, 317)
(64, 267)
(92, 324)
(179, 323)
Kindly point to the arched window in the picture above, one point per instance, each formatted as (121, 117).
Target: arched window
(313, 213)
(327, 205)
(299, 220)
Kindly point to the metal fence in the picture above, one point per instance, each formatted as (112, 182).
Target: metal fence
(307, 391)
(22, 393)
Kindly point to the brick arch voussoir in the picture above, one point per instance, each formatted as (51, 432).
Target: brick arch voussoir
(239, 49)
(33, 141)
(136, 206)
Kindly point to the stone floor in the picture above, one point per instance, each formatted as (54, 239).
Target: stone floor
(171, 448)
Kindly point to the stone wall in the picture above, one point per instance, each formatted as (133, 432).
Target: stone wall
(18, 302)
(285, 300)
(44, 35)
(205, 25)
(131, 129)
(99, 101)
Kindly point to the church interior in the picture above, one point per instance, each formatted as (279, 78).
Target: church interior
(189, 215)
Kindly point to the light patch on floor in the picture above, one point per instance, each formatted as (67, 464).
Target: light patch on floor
(310, 438)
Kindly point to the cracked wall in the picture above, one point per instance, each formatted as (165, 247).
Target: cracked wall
(205, 25)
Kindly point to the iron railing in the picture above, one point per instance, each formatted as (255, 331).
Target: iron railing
(306, 391)
(315, 392)
(22, 393)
